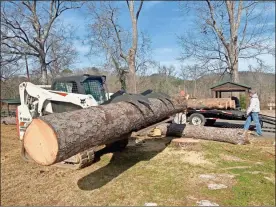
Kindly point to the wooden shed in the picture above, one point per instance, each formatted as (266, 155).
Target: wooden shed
(230, 87)
(8, 107)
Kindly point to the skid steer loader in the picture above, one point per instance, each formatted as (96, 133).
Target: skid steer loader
(65, 94)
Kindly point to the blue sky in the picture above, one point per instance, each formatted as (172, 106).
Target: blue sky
(161, 20)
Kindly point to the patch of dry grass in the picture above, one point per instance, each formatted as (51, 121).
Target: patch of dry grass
(151, 172)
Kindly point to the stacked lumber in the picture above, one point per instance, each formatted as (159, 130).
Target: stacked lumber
(211, 103)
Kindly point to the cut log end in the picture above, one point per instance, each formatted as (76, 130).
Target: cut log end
(40, 141)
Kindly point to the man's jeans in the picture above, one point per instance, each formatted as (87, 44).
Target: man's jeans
(255, 117)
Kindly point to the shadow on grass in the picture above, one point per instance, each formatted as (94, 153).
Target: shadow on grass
(120, 162)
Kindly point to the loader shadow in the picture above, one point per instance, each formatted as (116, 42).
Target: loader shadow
(122, 161)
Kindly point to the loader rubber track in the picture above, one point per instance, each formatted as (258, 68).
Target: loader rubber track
(84, 159)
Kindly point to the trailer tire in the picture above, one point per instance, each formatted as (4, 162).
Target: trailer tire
(197, 119)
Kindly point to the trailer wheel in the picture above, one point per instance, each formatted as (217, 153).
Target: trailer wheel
(197, 119)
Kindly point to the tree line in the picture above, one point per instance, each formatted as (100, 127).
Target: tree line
(34, 38)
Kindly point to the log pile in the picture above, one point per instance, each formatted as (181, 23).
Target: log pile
(206, 103)
(180, 99)
(53, 138)
(211, 103)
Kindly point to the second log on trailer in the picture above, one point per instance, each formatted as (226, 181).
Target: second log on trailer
(53, 138)
(211, 103)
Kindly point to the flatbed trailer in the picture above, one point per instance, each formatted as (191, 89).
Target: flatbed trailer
(209, 117)
(198, 115)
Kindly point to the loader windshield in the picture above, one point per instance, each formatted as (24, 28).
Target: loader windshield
(69, 87)
(96, 89)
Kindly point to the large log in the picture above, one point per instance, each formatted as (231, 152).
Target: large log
(53, 138)
(232, 136)
(211, 103)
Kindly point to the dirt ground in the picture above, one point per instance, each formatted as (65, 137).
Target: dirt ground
(151, 172)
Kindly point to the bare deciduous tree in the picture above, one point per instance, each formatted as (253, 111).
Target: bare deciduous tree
(27, 27)
(120, 46)
(228, 31)
(133, 49)
(164, 81)
(10, 66)
(143, 59)
(62, 51)
(107, 37)
(264, 88)
(192, 73)
(9, 63)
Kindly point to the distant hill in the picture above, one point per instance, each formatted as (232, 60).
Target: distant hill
(264, 83)
(246, 77)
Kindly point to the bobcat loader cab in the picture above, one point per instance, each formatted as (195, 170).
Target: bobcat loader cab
(86, 84)
(65, 94)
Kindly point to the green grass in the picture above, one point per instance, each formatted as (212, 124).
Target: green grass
(165, 179)
(249, 189)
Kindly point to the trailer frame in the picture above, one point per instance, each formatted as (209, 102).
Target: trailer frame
(208, 117)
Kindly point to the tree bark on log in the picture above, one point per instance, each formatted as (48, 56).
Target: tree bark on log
(232, 136)
(53, 138)
(211, 103)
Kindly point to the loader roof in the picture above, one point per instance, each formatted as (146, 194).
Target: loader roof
(231, 83)
(78, 78)
(10, 101)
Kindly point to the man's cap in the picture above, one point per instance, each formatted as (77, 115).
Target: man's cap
(252, 91)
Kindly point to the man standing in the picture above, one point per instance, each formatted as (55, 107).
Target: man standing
(253, 113)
